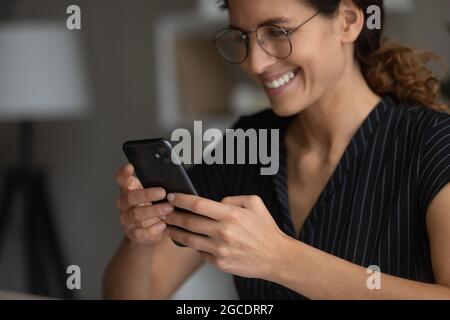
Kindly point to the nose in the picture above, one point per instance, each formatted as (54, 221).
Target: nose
(257, 60)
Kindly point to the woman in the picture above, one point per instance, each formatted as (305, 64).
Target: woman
(363, 180)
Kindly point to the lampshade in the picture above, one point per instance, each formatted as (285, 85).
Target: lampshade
(42, 72)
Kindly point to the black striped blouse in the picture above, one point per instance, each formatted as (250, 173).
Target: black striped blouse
(372, 210)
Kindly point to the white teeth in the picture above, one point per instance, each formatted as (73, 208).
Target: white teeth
(285, 79)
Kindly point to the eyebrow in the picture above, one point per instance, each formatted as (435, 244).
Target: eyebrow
(268, 22)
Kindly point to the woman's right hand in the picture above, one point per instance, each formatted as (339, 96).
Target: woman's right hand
(143, 222)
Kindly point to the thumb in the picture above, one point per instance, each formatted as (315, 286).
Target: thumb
(126, 179)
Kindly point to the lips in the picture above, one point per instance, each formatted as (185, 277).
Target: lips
(276, 84)
(278, 80)
(281, 81)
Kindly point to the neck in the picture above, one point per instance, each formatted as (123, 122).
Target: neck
(327, 126)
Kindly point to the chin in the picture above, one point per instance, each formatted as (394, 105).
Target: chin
(290, 102)
(285, 109)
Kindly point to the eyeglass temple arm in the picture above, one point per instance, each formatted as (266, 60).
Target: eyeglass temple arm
(303, 23)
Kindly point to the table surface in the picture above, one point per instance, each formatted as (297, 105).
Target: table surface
(7, 295)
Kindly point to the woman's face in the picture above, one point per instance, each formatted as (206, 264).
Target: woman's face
(317, 60)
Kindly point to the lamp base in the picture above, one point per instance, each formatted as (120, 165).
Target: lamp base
(45, 267)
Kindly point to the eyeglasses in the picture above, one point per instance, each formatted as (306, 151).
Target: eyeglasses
(233, 44)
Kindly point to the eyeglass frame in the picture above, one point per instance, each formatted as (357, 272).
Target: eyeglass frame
(245, 34)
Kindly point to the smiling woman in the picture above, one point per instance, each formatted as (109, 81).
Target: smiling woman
(364, 172)
(388, 67)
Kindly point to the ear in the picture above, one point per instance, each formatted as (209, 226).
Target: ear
(351, 19)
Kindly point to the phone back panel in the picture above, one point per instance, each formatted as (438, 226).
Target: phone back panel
(154, 166)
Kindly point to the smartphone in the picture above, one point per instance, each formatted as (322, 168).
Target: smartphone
(157, 165)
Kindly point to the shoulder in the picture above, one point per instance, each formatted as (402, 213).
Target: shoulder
(438, 128)
(434, 126)
(436, 139)
(430, 134)
(426, 129)
(424, 117)
(417, 125)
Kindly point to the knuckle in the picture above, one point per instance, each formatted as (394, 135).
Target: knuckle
(220, 263)
(226, 200)
(198, 205)
(189, 222)
(255, 199)
(226, 234)
(223, 252)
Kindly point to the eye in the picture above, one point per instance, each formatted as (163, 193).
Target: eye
(236, 36)
(275, 32)
(240, 36)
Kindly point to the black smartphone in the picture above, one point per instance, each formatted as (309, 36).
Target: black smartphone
(157, 165)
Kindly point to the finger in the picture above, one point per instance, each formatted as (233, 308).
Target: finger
(246, 202)
(192, 222)
(126, 179)
(129, 223)
(152, 233)
(149, 222)
(147, 212)
(197, 242)
(205, 207)
(141, 197)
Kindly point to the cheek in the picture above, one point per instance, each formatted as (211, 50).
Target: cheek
(321, 62)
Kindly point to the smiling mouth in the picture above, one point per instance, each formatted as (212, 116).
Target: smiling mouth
(281, 81)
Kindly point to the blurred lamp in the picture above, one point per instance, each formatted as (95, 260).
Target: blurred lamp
(41, 79)
(41, 73)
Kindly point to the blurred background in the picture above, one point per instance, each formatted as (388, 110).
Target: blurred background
(136, 69)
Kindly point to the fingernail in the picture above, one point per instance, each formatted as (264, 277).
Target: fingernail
(168, 208)
(170, 197)
(160, 193)
(163, 217)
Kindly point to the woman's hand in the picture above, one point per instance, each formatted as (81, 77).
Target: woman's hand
(140, 219)
(237, 235)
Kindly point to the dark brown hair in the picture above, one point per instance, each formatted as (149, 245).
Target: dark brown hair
(389, 67)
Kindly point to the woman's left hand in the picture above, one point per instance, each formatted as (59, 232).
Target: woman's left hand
(237, 235)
